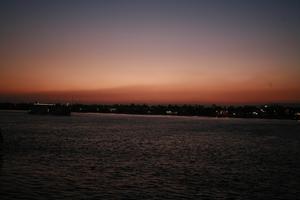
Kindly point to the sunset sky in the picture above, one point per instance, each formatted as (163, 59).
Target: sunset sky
(155, 51)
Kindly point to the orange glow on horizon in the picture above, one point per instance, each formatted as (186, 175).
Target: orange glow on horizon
(119, 57)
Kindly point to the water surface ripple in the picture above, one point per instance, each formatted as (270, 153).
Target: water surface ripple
(106, 156)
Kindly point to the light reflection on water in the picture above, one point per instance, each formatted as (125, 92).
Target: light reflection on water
(152, 157)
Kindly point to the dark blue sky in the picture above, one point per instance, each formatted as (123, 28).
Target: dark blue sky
(192, 44)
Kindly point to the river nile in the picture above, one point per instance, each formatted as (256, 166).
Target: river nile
(110, 156)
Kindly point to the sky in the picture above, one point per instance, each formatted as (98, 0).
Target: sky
(150, 51)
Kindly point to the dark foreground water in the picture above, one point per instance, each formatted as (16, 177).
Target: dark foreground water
(103, 156)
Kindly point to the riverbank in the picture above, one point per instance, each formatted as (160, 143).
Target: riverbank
(248, 111)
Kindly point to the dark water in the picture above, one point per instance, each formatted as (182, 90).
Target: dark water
(102, 156)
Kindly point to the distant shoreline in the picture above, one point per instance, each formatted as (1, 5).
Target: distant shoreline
(161, 115)
(257, 112)
(187, 116)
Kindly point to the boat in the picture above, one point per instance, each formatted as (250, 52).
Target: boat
(50, 109)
